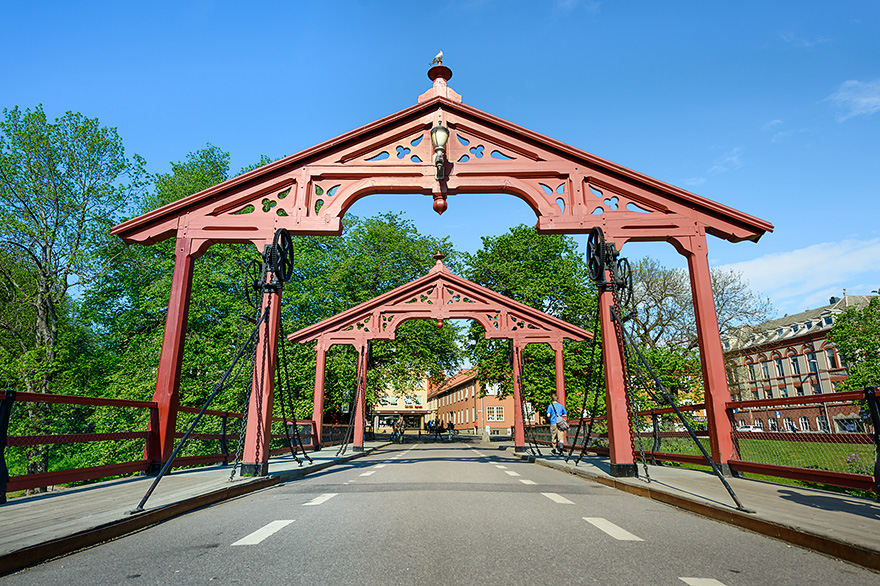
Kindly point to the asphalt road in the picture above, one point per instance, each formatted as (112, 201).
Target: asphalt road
(443, 514)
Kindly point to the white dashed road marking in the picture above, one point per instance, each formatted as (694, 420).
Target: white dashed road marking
(557, 499)
(618, 533)
(320, 499)
(262, 533)
(370, 473)
(511, 473)
(524, 481)
(701, 581)
(500, 466)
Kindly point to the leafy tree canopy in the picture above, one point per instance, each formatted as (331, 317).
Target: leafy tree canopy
(856, 333)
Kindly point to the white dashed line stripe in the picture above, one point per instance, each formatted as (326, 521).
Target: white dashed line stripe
(370, 473)
(381, 465)
(701, 581)
(524, 481)
(500, 466)
(262, 533)
(613, 530)
(320, 499)
(557, 499)
(511, 473)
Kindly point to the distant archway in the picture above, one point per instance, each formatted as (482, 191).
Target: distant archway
(440, 295)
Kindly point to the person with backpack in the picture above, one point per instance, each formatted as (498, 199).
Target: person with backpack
(556, 412)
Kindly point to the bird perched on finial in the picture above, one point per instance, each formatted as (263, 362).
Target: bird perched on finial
(438, 59)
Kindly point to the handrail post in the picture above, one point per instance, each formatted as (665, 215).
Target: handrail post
(224, 447)
(874, 409)
(5, 412)
(655, 419)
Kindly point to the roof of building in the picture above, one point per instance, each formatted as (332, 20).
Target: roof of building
(791, 327)
(451, 382)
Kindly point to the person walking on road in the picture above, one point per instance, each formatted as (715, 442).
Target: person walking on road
(451, 430)
(556, 412)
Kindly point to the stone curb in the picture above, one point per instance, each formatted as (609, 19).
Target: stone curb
(36, 554)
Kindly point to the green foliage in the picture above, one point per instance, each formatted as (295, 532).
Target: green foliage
(546, 272)
(856, 334)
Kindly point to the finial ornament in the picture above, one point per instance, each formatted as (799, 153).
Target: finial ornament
(438, 59)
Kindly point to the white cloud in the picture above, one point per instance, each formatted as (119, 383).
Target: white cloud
(857, 98)
(802, 42)
(729, 161)
(771, 124)
(805, 278)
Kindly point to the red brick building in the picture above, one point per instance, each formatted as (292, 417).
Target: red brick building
(460, 399)
(789, 357)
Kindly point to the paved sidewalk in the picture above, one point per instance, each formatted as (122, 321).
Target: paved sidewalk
(41, 527)
(836, 524)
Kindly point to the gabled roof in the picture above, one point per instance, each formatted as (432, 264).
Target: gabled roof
(440, 295)
(570, 190)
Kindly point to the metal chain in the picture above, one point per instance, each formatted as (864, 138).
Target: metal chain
(621, 344)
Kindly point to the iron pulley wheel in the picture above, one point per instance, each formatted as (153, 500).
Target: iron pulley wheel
(595, 255)
(282, 258)
(623, 281)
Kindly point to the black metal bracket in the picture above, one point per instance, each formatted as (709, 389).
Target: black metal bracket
(874, 409)
(5, 412)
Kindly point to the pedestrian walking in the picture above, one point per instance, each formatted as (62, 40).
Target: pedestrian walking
(556, 412)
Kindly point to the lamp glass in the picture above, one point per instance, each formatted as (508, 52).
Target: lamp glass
(439, 136)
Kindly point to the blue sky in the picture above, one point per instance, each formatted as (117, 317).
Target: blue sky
(772, 108)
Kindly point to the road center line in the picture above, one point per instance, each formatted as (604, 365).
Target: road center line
(320, 499)
(262, 533)
(701, 581)
(620, 534)
(557, 499)
(524, 481)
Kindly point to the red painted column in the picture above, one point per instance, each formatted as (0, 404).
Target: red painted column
(711, 353)
(560, 380)
(255, 461)
(620, 446)
(360, 400)
(560, 372)
(519, 432)
(167, 394)
(318, 404)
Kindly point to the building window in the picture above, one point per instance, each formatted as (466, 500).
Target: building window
(795, 365)
(832, 357)
(822, 423)
(768, 393)
(418, 399)
(805, 423)
(765, 369)
(772, 424)
(783, 391)
(779, 372)
(751, 371)
(817, 390)
(799, 391)
(759, 423)
(788, 424)
(812, 363)
(494, 413)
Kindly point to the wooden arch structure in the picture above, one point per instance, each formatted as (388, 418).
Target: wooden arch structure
(569, 190)
(439, 295)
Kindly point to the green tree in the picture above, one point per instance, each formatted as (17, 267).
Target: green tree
(60, 191)
(856, 334)
(546, 272)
